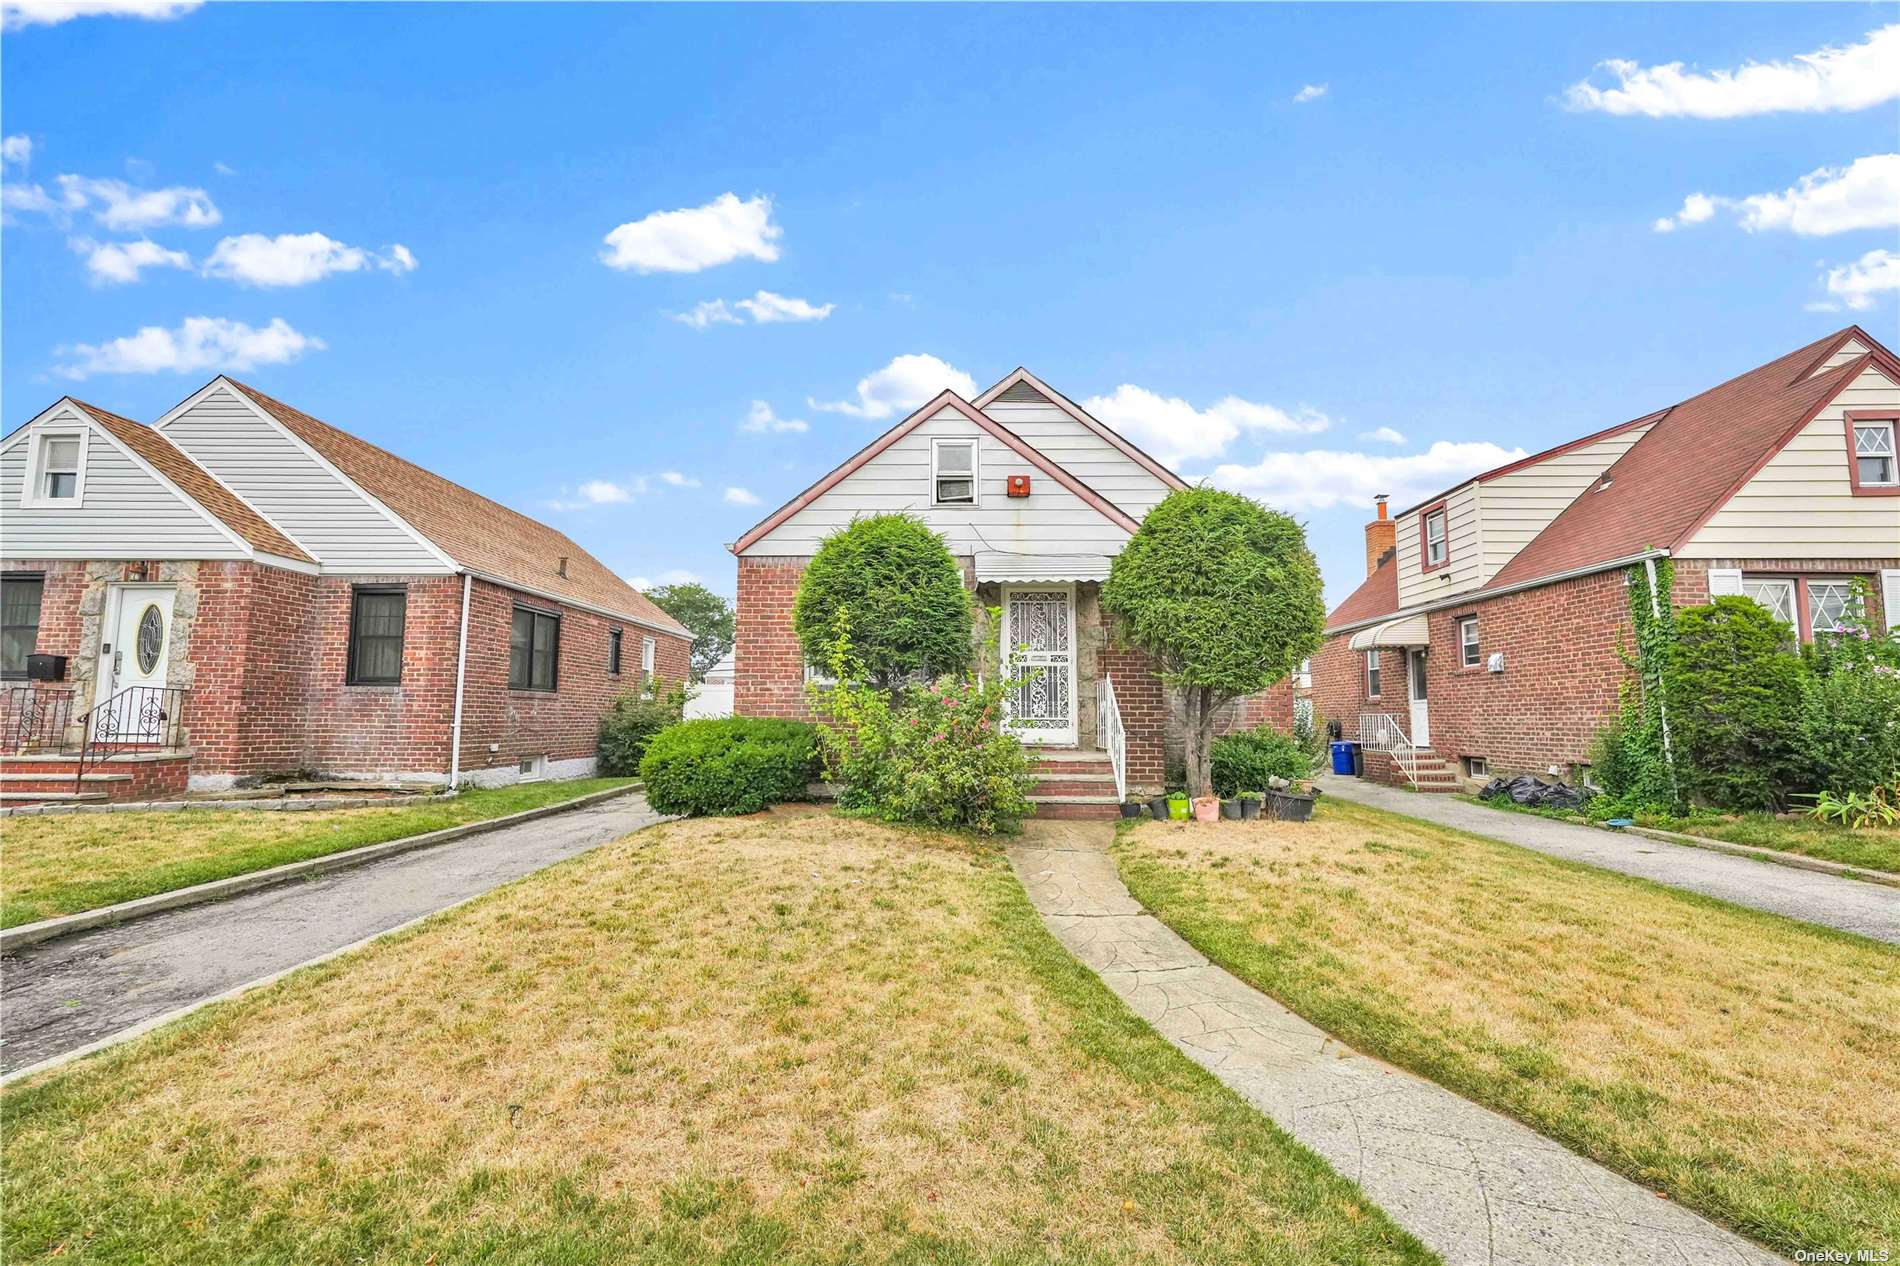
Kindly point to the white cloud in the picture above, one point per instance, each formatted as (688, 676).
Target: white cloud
(691, 239)
(224, 169)
(764, 308)
(1311, 92)
(901, 386)
(1859, 284)
(17, 149)
(1834, 78)
(592, 493)
(124, 207)
(1319, 478)
(197, 345)
(741, 497)
(760, 417)
(1383, 435)
(118, 263)
(1863, 195)
(15, 14)
(677, 576)
(673, 478)
(297, 259)
(1174, 431)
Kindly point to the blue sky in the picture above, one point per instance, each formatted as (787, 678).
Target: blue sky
(1440, 242)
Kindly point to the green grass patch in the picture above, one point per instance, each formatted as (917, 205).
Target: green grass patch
(67, 863)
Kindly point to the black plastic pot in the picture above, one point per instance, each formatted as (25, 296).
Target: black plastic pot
(1249, 808)
(1230, 809)
(1131, 808)
(1288, 807)
(1158, 808)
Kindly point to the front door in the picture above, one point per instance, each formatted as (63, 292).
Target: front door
(134, 664)
(1039, 653)
(1415, 690)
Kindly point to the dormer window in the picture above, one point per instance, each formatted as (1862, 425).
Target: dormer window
(1876, 456)
(56, 473)
(953, 472)
(1437, 547)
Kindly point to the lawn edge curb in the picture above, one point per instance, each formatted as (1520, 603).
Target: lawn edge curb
(1798, 861)
(26, 934)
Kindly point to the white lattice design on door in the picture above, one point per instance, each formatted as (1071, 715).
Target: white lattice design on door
(1042, 652)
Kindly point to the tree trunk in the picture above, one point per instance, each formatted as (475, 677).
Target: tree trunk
(1194, 741)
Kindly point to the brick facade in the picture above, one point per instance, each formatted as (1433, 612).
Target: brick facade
(264, 654)
(1562, 666)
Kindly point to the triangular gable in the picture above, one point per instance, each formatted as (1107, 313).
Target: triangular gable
(1019, 378)
(996, 430)
(1848, 338)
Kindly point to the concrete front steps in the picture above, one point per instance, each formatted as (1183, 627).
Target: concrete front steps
(1073, 783)
(48, 778)
(1434, 773)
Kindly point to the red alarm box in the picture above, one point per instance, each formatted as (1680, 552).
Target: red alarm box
(1018, 485)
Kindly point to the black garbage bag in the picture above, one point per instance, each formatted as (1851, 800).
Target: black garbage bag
(1528, 789)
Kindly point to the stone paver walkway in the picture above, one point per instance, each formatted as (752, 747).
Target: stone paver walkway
(1474, 1186)
(1834, 901)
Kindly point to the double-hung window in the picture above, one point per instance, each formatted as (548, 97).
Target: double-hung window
(1437, 546)
(534, 647)
(1372, 674)
(56, 472)
(953, 472)
(613, 651)
(377, 615)
(1828, 602)
(19, 621)
(1876, 454)
(648, 651)
(1468, 653)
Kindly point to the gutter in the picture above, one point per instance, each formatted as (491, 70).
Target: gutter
(1484, 594)
(461, 674)
(577, 603)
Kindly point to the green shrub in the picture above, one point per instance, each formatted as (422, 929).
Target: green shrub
(1735, 693)
(630, 724)
(891, 583)
(1850, 728)
(727, 766)
(1245, 761)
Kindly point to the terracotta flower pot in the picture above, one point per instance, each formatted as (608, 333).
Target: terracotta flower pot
(1207, 809)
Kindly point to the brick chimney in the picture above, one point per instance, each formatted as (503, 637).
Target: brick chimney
(1381, 537)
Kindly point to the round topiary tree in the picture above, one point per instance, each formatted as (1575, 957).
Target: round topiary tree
(902, 597)
(1225, 595)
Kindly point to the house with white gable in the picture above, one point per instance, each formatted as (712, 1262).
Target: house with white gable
(1035, 498)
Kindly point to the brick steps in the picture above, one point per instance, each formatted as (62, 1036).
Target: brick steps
(49, 777)
(1073, 784)
(10, 798)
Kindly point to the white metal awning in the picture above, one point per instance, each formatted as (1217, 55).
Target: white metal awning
(1409, 630)
(997, 565)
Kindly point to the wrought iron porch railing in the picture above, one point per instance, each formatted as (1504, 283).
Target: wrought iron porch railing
(1110, 734)
(136, 719)
(1381, 732)
(34, 719)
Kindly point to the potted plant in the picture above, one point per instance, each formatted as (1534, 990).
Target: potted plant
(1178, 810)
(1207, 809)
(1250, 805)
(1294, 803)
(1131, 808)
(1158, 807)
(1230, 808)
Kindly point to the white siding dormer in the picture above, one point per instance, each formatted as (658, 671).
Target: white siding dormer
(261, 461)
(1519, 504)
(1461, 569)
(1051, 520)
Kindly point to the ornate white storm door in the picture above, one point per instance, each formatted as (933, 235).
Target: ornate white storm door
(1039, 647)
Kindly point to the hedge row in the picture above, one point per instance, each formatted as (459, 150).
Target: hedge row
(729, 766)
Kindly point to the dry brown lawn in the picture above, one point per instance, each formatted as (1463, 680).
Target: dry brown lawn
(1746, 1065)
(786, 1038)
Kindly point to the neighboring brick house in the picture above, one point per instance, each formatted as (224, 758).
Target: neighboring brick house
(1035, 498)
(244, 590)
(1488, 634)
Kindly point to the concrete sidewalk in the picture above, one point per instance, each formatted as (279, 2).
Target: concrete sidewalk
(1829, 900)
(1474, 1186)
(65, 994)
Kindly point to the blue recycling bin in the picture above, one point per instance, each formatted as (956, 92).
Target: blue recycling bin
(1342, 759)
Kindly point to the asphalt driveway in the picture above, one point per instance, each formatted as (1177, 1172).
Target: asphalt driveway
(64, 994)
(1829, 900)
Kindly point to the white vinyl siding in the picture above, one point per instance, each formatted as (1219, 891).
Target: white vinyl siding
(1852, 349)
(265, 466)
(126, 513)
(1519, 505)
(1801, 504)
(1461, 571)
(1051, 520)
(1084, 454)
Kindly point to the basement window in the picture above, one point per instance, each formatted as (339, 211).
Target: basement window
(953, 472)
(533, 768)
(1476, 767)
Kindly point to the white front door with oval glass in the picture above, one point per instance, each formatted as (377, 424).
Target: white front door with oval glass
(134, 662)
(1415, 691)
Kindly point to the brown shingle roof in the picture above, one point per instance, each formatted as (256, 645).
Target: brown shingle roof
(197, 483)
(1378, 596)
(1665, 487)
(477, 533)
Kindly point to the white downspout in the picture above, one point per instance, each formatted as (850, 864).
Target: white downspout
(1662, 703)
(461, 671)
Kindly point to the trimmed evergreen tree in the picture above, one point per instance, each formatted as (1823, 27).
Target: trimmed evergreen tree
(902, 596)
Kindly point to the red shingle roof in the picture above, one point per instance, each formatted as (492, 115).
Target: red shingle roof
(479, 534)
(1378, 596)
(197, 483)
(1689, 463)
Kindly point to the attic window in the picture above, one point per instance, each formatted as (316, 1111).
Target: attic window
(57, 469)
(1876, 455)
(953, 472)
(1435, 547)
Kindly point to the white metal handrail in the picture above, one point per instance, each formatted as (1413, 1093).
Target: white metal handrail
(1381, 732)
(1109, 733)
